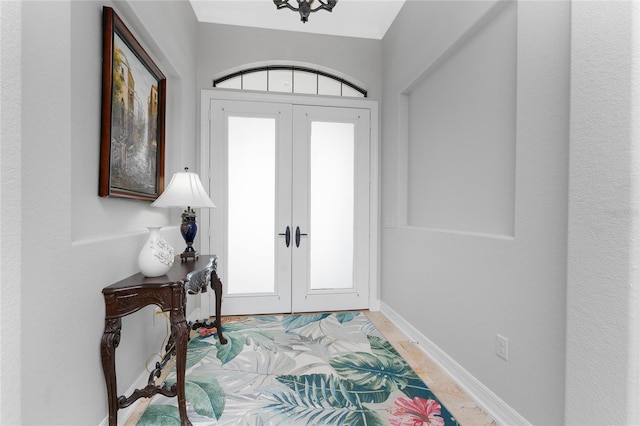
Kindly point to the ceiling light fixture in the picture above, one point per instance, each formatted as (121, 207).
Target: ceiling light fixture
(305, 7)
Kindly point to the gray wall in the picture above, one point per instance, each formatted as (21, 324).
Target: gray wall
(226, 47)
(603, 286)
(457, 279)
(66, 242)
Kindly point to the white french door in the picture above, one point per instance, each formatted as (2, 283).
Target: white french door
(292, 223)
(330, 266)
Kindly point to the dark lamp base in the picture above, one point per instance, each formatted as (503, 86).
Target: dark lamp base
(186, 255)
(188, 229)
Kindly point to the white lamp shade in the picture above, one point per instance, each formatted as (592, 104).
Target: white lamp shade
(184, 190)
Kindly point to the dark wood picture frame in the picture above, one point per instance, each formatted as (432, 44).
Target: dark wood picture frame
(133, 116)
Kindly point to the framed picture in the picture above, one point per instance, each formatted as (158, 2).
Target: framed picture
(133, 116)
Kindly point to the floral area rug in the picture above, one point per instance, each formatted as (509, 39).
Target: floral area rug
(312, 369)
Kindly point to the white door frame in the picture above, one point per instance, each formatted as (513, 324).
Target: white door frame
(207, 95)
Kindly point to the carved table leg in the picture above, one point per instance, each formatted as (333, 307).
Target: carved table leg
(110, 341)
(216, 285)
(180, 330)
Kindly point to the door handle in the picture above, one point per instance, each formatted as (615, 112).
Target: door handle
(298, 235)
(287, 236)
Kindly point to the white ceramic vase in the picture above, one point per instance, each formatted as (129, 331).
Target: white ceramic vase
(156, 256)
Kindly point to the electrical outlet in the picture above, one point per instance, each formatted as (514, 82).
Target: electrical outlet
(502, 347)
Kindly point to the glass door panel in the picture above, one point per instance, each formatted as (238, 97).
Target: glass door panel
(331, 207)
(251, 177)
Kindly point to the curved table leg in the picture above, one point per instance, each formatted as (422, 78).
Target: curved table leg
(110, 341)
(179, 329)
(216, 285)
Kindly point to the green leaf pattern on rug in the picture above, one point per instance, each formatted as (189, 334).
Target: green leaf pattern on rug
(206, 395)
(198, 349)
(343, 317)
(331, 391)
(160, 415)
(238, 339)
(374, 371)
(413, 385)
(382, 347)
(294, 408)
(292, 322)
(234, 346)
(313, 369)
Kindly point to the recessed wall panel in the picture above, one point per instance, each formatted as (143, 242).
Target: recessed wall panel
(461, 134)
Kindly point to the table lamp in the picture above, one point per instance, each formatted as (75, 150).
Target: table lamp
(185, 190)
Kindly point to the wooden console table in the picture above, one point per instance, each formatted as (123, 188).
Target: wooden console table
(169, 293)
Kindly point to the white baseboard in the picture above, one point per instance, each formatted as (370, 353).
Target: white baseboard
(486, 400)
(140, 383)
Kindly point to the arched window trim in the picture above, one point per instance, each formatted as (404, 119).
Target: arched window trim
(292, 68)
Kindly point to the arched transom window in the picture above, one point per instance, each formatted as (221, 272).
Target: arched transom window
(290, 79)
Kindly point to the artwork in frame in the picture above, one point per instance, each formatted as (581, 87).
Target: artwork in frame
(133, 116)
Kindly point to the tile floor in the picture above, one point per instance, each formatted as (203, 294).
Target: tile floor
(457, 402)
